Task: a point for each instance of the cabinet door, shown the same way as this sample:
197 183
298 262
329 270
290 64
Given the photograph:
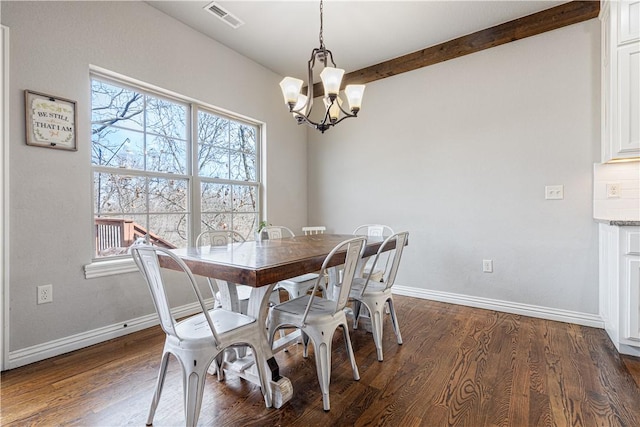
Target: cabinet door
631 283
633 307
627 138
629 21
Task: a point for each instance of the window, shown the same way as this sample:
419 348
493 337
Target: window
164 169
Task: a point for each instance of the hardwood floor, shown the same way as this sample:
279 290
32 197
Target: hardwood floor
458 366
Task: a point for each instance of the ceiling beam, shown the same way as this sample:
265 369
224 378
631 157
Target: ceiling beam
531 25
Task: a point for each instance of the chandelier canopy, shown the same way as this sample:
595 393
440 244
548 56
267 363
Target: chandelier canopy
300 105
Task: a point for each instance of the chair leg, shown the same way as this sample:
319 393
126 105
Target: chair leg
352 358
376 328
194 379
305 344
219 361
394 320
164 363
322 349
356 313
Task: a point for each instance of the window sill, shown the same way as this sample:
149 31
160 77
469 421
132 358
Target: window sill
109 267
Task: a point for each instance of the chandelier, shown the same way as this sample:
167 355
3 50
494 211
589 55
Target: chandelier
300 105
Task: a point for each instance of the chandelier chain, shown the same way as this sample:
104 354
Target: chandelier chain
321 38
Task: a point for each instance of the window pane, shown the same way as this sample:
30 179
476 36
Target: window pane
243 166
115 234
213 162
216 197
166 155
213 144
115 193
243 138
216 221
212 130
166 118
167 195
245 224
244 198
113 105
169 231
119 148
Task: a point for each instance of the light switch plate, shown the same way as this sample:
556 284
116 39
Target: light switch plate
554 192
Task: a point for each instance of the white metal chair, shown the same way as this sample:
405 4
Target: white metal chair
375 295
221 239
197 340
374 230
299 285
318 318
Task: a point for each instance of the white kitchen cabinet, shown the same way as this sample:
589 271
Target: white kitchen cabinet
620 285
620 80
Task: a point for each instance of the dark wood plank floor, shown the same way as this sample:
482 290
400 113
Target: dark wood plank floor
458 366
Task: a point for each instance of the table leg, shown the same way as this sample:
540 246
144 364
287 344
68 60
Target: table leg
280 389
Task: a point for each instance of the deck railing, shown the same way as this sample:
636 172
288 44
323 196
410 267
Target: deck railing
115 235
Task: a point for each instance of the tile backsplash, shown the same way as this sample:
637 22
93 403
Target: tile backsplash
627 205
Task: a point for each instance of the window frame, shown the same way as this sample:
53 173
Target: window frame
116 264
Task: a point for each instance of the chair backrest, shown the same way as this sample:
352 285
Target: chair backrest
353 248
378 230
146 258
400 240
218 237
278 232
317 229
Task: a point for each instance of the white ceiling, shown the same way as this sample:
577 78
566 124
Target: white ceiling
281 34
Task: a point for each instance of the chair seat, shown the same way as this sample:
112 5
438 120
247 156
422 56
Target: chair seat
196 327
320 307
372 288
376 274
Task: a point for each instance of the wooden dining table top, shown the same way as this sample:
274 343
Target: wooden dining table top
261 263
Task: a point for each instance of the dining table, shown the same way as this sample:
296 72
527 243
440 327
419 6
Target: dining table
261 265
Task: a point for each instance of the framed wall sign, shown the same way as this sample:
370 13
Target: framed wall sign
51 121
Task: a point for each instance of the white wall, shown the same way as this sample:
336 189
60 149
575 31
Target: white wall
459 154
52 46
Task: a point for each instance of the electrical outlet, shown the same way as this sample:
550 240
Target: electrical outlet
487 266
613 191
554 192
45 294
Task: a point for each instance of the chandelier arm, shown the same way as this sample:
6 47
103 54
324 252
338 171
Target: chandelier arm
347 113
342 118
300 118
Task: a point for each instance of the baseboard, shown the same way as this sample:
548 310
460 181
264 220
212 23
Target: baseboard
49 349
567 316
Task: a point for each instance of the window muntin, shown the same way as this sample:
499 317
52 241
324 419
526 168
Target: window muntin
143 179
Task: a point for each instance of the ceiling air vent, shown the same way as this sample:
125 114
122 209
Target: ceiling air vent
217 10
